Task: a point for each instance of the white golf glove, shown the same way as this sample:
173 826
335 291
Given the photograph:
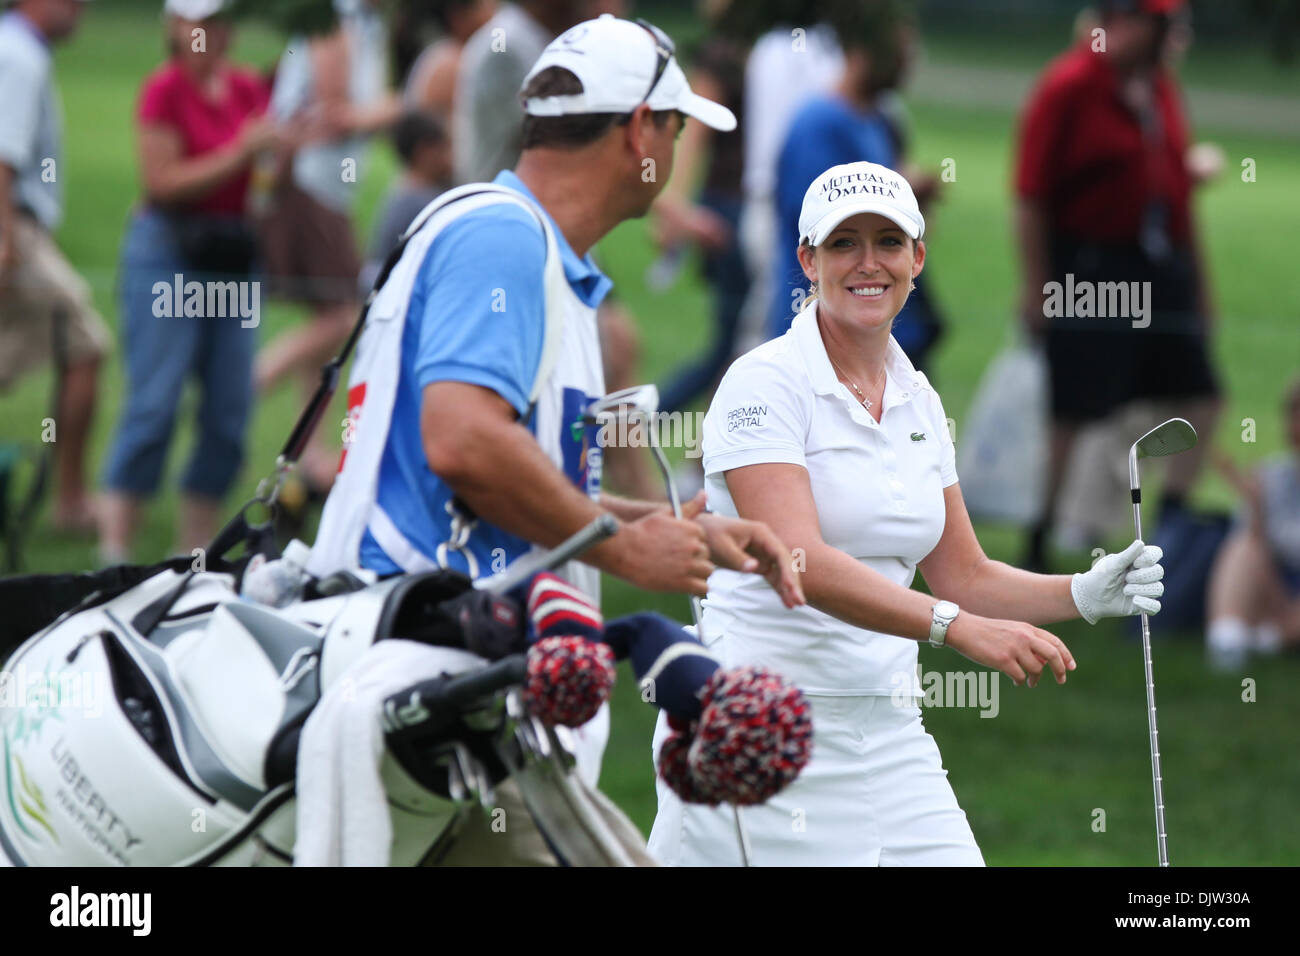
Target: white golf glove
1120 584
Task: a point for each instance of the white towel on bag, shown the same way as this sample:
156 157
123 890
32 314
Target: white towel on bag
343 815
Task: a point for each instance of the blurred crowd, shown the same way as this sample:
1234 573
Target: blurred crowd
247 178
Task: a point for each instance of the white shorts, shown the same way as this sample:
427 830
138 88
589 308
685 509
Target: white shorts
874 794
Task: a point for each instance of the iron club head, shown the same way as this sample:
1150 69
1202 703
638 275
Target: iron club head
640 399
626 403
1168 438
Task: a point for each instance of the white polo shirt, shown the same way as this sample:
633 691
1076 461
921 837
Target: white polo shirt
878 489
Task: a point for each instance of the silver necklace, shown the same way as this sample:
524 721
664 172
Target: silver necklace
854 385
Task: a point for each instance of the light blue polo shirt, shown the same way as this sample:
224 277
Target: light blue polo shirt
476 316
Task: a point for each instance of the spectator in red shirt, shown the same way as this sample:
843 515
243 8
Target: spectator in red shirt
189 305
1104 190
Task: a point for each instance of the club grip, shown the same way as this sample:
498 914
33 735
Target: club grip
433 705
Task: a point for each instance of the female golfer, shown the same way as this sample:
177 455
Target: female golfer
832 437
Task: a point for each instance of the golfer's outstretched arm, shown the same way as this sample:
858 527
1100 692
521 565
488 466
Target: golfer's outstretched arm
959 571
781 496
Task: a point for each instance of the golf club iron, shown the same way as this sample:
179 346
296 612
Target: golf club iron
1169 438
643 400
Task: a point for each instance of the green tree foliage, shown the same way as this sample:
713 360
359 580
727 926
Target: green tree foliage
289 16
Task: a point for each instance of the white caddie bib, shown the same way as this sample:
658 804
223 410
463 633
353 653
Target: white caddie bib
569 376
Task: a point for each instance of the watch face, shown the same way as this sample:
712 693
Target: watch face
946 609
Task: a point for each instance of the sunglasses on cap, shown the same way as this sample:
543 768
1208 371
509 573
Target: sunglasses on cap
664 51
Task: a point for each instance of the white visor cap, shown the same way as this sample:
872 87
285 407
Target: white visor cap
616 61
855 188
193 9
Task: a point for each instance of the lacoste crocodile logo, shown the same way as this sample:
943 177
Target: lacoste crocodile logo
918 436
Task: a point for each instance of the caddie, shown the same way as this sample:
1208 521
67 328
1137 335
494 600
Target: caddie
465 445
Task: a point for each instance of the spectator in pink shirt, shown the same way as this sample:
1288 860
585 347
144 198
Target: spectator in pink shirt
190 304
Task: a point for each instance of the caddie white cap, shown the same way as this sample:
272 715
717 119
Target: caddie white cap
855 188
619 63
193 9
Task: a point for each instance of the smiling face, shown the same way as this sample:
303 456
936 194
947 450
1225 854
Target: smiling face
863 270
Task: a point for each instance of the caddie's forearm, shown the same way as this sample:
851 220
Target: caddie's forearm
997 590
506 478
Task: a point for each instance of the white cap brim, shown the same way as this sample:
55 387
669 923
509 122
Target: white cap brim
828 223
705 110
674 93
708 112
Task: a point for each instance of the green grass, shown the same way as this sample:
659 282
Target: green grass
1031 779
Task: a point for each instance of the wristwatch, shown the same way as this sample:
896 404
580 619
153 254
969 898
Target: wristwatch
945 612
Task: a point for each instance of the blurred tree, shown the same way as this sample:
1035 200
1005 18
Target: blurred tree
289 16
1280 18
750 19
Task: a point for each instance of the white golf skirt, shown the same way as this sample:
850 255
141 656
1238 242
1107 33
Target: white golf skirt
875 793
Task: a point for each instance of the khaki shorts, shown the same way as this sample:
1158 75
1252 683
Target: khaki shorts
510 837
36 289
310 253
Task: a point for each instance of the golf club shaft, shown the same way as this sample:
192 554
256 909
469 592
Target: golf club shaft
588 536
676 502
742 837
1157 783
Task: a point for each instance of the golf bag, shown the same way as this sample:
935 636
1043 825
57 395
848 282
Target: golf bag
174 743
161 726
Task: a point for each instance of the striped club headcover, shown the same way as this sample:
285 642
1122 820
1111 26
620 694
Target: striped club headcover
556 607
570 668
